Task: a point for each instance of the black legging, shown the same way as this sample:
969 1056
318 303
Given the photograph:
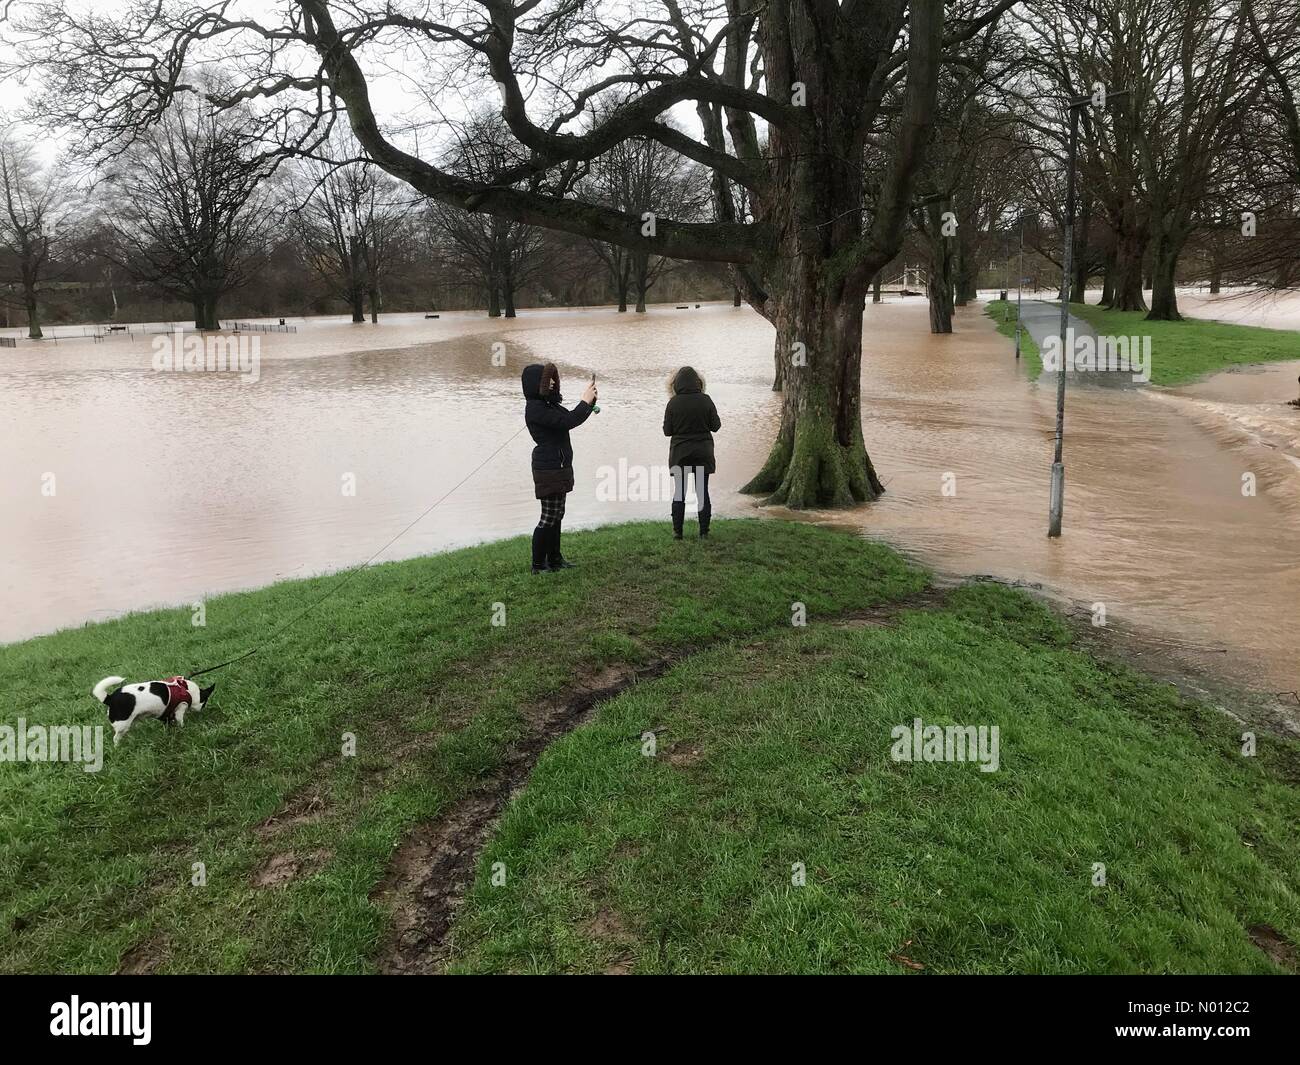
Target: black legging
701 476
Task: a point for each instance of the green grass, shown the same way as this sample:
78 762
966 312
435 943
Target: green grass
1029 352
1183 351
406 658
679 862
779 754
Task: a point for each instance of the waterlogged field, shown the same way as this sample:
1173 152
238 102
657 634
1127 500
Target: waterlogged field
350 432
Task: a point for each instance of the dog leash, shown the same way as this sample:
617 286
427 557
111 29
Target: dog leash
349 574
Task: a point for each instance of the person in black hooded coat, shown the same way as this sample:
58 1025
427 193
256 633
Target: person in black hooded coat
690 419
549 424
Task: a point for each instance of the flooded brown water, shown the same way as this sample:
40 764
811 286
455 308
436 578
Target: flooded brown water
168 487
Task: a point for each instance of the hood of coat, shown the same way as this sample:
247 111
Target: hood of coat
531 379
685 380
534 376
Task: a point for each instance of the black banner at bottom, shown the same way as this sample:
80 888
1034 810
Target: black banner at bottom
341 1014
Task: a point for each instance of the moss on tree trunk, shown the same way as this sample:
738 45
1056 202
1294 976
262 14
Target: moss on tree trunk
819 458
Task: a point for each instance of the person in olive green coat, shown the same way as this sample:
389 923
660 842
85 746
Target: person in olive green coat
690 419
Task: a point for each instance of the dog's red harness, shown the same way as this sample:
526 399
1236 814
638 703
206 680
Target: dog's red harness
178 691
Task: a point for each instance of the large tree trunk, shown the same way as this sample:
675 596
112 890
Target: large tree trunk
964 271
508 291
356 290
1164 297
875 287
1108 281
205 311
1216 260
494 297
33 313
939 290
1130 244
1079 257
939 293
819 457
641 273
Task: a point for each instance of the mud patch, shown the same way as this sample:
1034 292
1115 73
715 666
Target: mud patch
281 868
883 614
608 927
683 755
302 809
142 959
434 867
1280 950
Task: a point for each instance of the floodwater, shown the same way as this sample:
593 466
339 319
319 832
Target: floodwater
124 487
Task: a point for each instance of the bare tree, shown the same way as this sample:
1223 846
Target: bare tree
502 254
350 217
189 207
961 193
640 176
1152 156
36 217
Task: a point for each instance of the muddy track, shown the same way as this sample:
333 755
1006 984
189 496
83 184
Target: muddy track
434 867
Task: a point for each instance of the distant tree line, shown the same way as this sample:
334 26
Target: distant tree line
192 221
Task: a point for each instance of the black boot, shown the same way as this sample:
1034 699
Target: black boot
705 515
679 517
553 557
540 538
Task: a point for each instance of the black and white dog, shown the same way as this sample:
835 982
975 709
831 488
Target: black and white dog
167 699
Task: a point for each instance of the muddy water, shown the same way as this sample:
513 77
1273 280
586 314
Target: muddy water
171 486
1156 525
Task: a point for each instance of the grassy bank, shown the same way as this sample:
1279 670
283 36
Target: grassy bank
997 310
772 748
1183 351
96 866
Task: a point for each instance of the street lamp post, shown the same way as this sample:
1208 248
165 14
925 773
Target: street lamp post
1057 500
1020 280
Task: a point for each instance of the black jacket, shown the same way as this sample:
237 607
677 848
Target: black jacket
691 419
549 424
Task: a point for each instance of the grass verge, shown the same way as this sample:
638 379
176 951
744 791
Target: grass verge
997 310
1183 351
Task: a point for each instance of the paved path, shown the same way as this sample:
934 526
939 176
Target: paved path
1042 319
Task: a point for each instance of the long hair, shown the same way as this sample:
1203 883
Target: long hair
550 374
671 382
